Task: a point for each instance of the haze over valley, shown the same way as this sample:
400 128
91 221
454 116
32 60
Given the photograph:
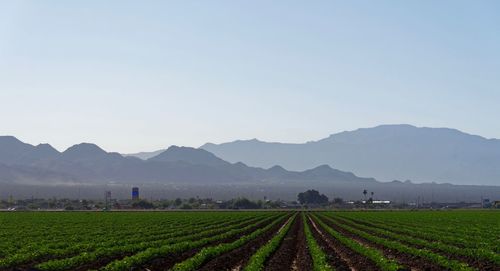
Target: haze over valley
399 162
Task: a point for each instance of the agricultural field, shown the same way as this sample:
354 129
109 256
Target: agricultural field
250 240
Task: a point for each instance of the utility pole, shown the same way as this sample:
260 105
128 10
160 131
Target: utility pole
107 197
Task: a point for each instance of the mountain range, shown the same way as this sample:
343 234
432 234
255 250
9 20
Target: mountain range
387 152
89 164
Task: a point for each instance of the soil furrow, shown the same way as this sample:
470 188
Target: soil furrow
292 254
473 262
237 258
410 261
168 262
30 266
340 257
157 263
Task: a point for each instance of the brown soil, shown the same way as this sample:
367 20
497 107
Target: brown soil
237 259
293 253
339 256
410 261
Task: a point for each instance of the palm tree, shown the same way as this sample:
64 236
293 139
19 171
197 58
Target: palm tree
364 193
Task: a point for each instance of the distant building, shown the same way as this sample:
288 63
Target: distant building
378 202
381 202
135 193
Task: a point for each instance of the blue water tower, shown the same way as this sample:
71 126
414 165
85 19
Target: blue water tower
135 193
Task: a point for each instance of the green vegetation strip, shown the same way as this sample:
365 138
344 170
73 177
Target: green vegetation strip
475 229
317 254
374 255
149 254
454 238
211 252
256 262
483 254
423 253
33 253
89 257
54 234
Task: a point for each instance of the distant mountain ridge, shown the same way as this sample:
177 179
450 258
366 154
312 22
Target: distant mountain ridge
44 171
88 163
192 155
386 152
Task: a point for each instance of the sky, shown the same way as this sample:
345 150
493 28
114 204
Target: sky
142 75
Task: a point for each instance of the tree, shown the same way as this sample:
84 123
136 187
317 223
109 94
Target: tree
364 193
312 197
338 201
142 204
244 203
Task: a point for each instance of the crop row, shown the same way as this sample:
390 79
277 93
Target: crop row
475 253
398 246
257 260
189 241
149 254
473 226
374 255
317 254
39 251
20 242
131 248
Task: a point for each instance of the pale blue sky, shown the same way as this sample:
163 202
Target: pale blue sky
141 75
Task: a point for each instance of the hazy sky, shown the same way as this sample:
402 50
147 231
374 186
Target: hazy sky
142 75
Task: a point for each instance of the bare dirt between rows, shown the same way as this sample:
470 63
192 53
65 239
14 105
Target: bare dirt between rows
293 253
168 262
339 256
238 258
410 261
473 262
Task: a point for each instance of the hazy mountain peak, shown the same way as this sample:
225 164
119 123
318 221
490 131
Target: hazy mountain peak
12 149
39 153
276 168
323 168
84 150
394 132
189 155
11 143
240 164
10 139
249 141
387 152
46 148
